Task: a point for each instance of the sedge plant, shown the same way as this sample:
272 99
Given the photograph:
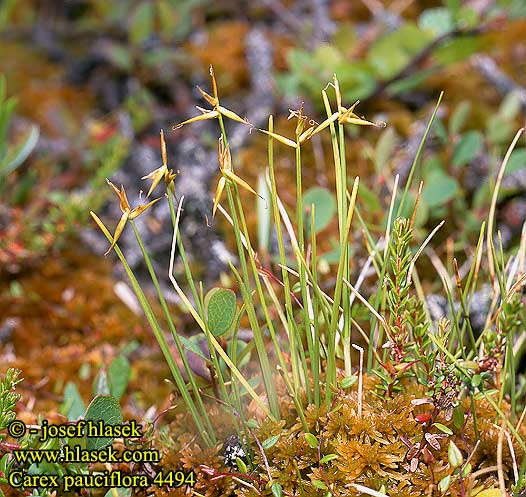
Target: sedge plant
442 380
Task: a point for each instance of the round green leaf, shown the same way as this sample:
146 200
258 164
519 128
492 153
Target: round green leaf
101 384
319 484
311 440
103 408
119 376
348 381
270 441
73 406
277 490
517 160
324 207
459 117
329 457
443 428
454 455
221 310
443 485
438 21
439 188
467 148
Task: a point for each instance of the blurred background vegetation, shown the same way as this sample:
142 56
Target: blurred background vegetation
87 84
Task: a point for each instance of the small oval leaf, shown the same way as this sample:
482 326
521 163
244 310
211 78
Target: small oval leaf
319 484
103 408
221 310
439 188
241 466
73 406
443 485
327 458
119 375
467 148
324 207
348 381
458 417
311 440
277 490
442 428
101 385
454 455
270 441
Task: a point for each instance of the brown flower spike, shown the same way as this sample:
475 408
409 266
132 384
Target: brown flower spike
127 212
162 172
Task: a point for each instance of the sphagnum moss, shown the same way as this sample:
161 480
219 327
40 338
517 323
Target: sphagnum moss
434 415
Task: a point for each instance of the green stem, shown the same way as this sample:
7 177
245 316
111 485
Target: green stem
173 330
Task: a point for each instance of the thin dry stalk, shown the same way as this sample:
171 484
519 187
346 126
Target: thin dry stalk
493 206
360 380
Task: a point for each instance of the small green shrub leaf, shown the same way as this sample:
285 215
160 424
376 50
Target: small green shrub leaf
270 441
193 347
454 455
103 408
241 465
458 417
517 160
324 207
476 380
221 310
443 428
277 490
327 458
443 484
101 385
73 406
439 188
311 440
319 484
438 20
119 375
467 148
459 116
348 381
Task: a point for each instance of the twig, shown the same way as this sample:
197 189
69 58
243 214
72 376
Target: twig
360 380
286 17
500 470
426 52
493 206
489 69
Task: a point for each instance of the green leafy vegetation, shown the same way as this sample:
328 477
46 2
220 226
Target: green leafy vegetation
356 325
416 414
